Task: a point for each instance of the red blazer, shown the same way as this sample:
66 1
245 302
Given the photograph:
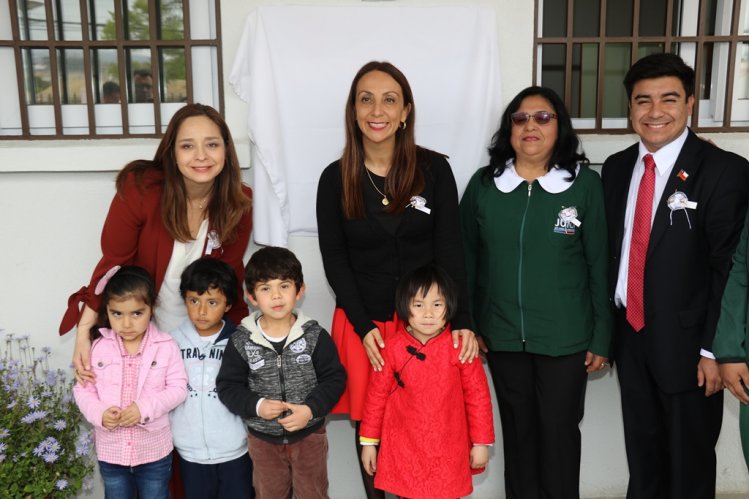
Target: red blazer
134 234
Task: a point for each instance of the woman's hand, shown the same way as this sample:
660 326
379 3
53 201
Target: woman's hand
470 348
372 344
82 352
595 362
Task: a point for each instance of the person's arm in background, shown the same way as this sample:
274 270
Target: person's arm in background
595 248
729 344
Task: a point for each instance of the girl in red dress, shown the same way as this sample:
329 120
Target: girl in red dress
427 422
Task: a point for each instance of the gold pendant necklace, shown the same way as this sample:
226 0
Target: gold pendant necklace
385 201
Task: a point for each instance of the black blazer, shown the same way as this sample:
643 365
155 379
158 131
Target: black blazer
364 262
686 268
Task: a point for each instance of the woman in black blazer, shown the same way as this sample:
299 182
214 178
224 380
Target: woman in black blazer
386 207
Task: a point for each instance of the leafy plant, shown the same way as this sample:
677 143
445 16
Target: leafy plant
45 451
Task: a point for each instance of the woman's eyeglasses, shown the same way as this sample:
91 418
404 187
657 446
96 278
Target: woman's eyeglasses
540 117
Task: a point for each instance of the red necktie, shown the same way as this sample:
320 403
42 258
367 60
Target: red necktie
638 248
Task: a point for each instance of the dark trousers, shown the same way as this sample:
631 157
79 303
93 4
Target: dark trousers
228 480
670 437
299 469
541 401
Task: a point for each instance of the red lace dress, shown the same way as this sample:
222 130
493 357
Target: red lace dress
427 409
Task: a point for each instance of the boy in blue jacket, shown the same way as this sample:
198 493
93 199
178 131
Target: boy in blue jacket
210 440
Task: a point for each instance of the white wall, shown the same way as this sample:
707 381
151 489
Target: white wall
50 225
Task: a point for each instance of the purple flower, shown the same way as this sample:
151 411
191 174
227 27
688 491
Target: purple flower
33 402
33 416
88 484
50 457
2 458
61 484
2 447
12 404
39 450
4 432
46 350
53 446
60 425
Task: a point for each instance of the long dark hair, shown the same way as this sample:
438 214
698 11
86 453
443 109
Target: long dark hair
566 153
404 179
228 202
130 281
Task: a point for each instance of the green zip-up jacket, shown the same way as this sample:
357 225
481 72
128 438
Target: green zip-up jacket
730 342
537 276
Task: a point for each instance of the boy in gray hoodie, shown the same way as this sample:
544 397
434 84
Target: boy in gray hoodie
210 440
282 375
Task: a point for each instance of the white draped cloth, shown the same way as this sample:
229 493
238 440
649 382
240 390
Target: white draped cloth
294 66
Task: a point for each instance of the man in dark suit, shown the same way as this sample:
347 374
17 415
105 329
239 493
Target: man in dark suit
675 205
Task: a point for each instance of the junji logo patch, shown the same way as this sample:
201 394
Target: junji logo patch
567 221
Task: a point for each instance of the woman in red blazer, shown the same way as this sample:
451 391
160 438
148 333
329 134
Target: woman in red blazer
187 202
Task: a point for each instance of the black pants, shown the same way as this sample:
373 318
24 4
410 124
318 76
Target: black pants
541 401
232 479
670 437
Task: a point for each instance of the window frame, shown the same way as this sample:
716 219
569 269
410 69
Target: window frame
121 45
734 39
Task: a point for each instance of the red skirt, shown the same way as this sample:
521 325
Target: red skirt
354 359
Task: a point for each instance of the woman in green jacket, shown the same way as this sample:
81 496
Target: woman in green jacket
731 336
534 232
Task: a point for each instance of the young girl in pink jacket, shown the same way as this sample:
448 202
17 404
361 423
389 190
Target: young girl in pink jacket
140 377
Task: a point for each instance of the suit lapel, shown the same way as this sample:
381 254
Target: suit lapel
619 193
689 161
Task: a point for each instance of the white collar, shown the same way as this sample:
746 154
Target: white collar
554 182
666 156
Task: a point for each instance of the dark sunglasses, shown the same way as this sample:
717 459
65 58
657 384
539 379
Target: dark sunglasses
540 117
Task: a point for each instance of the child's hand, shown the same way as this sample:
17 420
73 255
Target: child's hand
271 409
130 416
111 418
298 419
369 458
479 456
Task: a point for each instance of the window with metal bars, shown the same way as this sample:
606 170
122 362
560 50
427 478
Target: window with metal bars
585 47
105 68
